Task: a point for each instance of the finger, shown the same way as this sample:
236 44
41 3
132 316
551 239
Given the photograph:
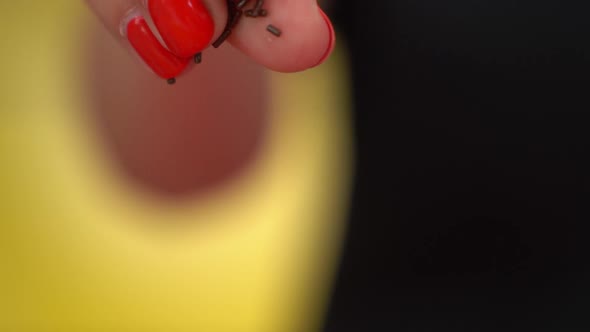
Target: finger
184 140
184 28
307 36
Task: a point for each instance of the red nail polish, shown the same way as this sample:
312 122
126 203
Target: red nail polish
332 42
145 43
185 25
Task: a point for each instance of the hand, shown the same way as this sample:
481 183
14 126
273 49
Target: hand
191 136
188 27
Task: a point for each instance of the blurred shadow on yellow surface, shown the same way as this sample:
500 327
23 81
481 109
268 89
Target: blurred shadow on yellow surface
261 257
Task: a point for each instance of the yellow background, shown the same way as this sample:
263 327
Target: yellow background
82 250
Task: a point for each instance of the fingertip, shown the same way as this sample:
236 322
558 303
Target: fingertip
306 37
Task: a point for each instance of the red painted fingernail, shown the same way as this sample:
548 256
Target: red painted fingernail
185 25
145 43
332 42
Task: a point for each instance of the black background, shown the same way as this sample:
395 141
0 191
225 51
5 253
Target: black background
472 184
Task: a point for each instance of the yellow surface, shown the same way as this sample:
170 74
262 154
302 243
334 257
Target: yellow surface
81 250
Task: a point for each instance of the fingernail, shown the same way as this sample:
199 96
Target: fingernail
332 42
158 58
185 25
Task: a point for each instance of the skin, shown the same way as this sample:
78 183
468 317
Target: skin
188 138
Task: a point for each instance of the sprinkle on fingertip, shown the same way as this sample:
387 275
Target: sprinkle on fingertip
172 81
274 30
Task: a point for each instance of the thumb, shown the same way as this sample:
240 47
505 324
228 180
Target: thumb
307 36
